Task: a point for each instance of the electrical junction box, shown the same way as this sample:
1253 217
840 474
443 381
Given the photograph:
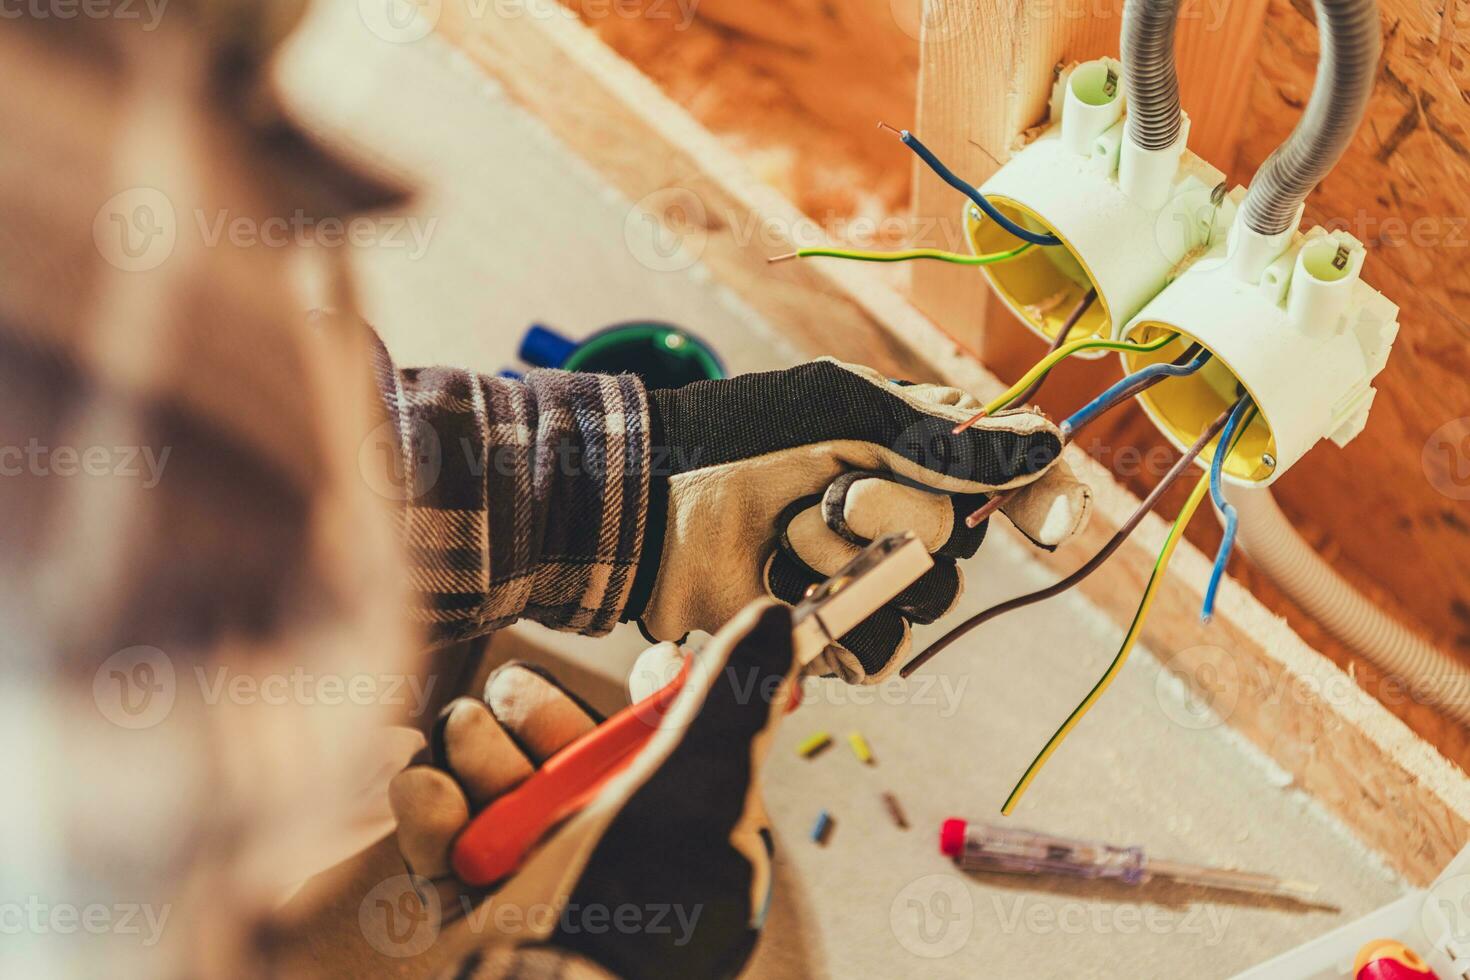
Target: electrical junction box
1287 318
1306 342
1067 182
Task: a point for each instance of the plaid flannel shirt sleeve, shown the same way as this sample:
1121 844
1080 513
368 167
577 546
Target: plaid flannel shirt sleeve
521 498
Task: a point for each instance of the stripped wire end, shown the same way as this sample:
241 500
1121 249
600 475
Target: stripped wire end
988 508
1091 565
783 258
969 421
969 190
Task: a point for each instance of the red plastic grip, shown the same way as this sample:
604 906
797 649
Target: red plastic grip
495 843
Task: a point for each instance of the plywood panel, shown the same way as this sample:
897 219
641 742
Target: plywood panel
1394 507
795 88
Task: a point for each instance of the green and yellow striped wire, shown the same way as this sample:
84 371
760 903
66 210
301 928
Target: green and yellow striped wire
1044 366
1161 565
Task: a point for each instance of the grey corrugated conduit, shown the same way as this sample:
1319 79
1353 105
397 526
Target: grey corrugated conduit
1150 79
1350 41
1270 540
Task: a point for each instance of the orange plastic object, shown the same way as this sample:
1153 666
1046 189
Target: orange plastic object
496 842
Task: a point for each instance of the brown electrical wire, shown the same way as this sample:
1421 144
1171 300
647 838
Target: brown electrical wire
1092 565
1063 332
1068 325
996 502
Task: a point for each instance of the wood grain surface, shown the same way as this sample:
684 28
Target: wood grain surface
794 88
1340 746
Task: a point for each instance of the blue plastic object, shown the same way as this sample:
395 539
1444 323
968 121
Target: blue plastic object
545 348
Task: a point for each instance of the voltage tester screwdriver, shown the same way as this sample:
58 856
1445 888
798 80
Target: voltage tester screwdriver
985 847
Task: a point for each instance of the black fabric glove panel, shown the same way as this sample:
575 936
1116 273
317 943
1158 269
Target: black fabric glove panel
710 423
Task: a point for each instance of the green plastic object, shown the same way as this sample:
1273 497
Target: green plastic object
663 355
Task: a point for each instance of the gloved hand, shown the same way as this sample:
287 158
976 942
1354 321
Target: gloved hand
678 835
766 484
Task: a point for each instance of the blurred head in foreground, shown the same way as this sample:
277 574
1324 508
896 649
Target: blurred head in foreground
195 571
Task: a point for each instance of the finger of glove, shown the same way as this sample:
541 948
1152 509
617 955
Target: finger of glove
473 760
868 649
480 750
810 553
869 652
655 668
472 746
999 453
914 434
863 506
539 714
1051 510
431 810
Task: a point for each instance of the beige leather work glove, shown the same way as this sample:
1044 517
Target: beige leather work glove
666 872
770 483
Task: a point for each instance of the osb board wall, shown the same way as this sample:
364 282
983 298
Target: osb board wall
797 86
1395 505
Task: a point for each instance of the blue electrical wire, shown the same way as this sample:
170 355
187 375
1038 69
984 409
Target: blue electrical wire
1128 387
965 188
1232 517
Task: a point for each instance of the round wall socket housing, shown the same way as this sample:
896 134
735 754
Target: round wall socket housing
1065 182
1305 343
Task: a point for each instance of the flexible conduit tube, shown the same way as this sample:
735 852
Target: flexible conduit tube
1351 40
1269 538
1150 79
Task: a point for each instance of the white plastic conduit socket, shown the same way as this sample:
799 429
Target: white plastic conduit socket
1066 182
1305 337
1146 175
